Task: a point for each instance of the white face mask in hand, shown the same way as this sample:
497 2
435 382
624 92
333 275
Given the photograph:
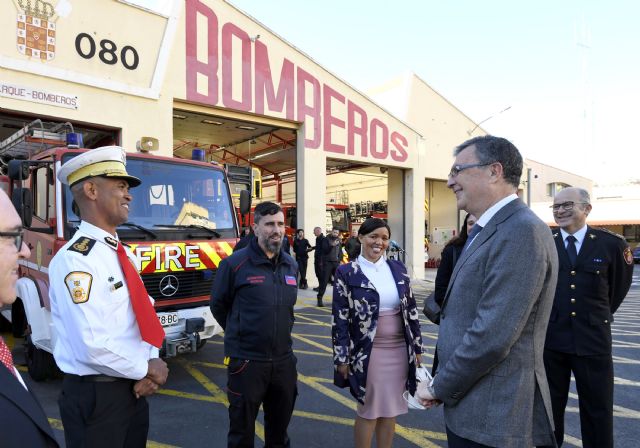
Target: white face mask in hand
424 379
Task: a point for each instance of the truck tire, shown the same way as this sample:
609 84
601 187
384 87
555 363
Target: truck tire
40 363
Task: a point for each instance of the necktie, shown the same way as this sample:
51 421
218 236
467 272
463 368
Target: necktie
5 357
148 323
571 249
474 231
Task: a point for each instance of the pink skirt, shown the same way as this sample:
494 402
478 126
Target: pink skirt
388 370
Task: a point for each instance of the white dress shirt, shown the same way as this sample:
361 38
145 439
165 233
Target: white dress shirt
379 274
491 211
98 335
579 236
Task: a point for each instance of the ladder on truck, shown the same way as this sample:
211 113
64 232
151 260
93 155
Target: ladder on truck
33 138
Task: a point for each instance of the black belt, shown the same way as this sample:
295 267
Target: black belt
93 378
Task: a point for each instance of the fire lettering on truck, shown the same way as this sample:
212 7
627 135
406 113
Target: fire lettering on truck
227 47
177 257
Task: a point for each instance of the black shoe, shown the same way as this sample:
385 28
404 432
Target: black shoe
316 289
303 286
320 304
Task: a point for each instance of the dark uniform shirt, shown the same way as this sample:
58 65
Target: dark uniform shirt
589 293
252 299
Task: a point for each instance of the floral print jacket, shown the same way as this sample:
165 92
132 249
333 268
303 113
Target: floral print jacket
355 319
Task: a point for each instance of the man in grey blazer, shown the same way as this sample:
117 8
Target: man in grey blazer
494 317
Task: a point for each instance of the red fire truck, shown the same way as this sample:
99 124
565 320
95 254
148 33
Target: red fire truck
181 225
337 217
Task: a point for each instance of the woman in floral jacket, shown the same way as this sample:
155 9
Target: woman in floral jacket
376 335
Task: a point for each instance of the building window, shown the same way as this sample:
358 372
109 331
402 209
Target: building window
555 187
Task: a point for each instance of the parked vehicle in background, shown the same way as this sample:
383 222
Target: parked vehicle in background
181 225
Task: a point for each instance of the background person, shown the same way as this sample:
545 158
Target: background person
495 314
352 246
448 259
301 248
23 423
317 255
259 284
331 256
376 335
596 269
108 333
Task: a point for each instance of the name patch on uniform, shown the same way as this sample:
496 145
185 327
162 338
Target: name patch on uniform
82 245
290 280
79 286
256 279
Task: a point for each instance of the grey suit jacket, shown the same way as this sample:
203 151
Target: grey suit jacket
491 376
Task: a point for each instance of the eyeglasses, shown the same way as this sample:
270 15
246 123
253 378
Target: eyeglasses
566 205
456 169
17 238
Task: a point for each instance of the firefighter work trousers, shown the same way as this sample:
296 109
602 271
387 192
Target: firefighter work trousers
252 383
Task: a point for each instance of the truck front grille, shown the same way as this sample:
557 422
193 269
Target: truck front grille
179 285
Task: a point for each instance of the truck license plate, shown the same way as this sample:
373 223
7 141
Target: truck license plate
168 319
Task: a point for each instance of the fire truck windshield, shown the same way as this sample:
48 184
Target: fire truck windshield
174 195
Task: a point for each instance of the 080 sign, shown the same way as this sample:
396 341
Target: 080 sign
87 47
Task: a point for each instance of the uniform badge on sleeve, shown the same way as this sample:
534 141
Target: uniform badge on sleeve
628 256
290 280
82 245
79 286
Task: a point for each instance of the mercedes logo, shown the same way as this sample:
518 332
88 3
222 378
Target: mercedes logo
168 285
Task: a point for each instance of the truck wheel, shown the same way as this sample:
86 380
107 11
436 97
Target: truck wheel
18 319
40 363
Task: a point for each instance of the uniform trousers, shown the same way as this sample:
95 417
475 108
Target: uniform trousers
302 269
594 384
252 383
328 269
317 265
98 414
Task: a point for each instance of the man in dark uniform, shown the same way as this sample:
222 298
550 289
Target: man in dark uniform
253 296
301 248
352 246
317 255
595 274
331 254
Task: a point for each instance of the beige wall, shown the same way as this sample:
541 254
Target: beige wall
542 175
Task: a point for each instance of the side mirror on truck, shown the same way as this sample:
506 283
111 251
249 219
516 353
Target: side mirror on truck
18 170
245 202
23 203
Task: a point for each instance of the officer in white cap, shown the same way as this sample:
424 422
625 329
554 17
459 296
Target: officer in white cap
109 366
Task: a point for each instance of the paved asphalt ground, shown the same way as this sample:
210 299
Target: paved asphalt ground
191 410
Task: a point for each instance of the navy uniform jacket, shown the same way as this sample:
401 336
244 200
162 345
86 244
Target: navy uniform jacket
588 294
252 299
23 423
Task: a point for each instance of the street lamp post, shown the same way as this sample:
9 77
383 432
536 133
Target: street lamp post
487 119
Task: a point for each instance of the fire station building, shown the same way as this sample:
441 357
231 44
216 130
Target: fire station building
201 74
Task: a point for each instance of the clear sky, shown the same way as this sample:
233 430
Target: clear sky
569 69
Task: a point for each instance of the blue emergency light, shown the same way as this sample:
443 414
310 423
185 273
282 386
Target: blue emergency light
74 140
197 154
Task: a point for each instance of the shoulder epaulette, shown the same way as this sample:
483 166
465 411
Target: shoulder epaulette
617 235
82 245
